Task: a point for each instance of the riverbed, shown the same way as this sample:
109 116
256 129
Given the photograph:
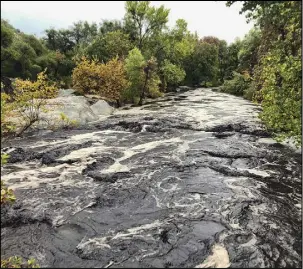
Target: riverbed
189 179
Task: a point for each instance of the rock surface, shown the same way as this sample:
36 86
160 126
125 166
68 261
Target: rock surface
101 107
75 108
183 181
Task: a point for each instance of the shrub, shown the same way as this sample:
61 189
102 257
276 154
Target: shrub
86 76
7 195
67 122
250 92
30 99
108 80
172 74
7 126
237 85
17 262
113 80
153 81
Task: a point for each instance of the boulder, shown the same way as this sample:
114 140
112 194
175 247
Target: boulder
66 92
101 108
74 107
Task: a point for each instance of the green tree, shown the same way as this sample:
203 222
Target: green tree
232 61
105 47
278 73
83 32
248 54
107 26
145 20
134 65
202 65
116 43
172 74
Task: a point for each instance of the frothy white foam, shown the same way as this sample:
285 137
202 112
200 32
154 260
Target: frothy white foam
218 259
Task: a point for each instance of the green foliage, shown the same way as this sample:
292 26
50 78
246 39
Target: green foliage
134 65
151 88
274 54
237 85
202 66
145 20
108 46
108 80
7 127
116 44
67 122
282 94
30 99
7 195
173 75
142 77
4 158
248 53
17 262
107 26
232 62
7 36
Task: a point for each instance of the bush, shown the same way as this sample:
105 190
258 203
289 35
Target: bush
237 85
250 92
113 80
108 80
7 195
86 76
7 127
17 262
30 99
173 75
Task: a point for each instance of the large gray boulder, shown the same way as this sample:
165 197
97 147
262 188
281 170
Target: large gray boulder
101 108
66 92
74 107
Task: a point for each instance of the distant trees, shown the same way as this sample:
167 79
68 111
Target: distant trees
175 52
265 65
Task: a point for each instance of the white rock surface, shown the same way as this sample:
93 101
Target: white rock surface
102 108
66 92
74 107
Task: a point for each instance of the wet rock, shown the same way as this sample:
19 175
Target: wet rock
109 177
20 155
161 185
48 158
223 135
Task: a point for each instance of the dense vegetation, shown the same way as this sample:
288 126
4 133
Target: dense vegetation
270 65
140 56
